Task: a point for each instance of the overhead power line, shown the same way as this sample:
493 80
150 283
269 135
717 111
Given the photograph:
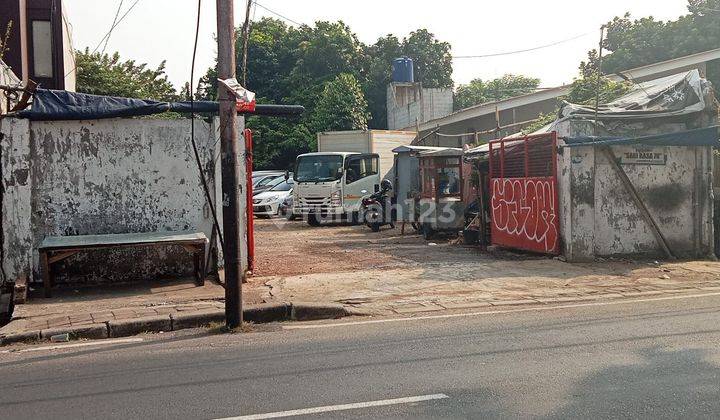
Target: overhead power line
116 22
117 13
278 14
540 47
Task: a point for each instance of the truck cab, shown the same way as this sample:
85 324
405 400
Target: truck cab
329 186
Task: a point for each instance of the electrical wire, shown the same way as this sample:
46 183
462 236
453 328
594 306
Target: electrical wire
540 47
108 33
198 161
112 28
117 13
278 14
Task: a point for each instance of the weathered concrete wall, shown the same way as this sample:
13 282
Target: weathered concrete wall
600 217
407 103
114 176
16 210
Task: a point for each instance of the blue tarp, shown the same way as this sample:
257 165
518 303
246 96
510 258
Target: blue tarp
700 137
58 105
63 105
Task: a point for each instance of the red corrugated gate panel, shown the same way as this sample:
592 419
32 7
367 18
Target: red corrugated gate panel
524 196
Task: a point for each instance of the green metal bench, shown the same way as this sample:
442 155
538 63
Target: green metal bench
57 248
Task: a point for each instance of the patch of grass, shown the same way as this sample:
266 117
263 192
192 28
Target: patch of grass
221 328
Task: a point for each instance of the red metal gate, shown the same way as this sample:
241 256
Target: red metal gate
524 197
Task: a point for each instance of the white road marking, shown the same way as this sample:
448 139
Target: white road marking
504 311
75 345
341 407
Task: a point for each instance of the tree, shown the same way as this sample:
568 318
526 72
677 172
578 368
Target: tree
634 43
431 58
277 142
342 106
298 65
583 92
103 74
478 91
379 70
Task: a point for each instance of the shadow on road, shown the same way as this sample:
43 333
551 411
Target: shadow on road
666 384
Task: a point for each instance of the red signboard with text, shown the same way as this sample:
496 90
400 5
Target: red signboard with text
524 196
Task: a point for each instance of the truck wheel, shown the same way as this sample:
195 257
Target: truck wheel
375 227
313 220
427 231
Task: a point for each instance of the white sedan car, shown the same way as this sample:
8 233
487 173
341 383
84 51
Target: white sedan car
267 203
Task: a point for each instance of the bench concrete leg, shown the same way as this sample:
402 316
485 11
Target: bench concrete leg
46 274
198 257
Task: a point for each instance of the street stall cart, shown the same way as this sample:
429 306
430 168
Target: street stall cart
440 207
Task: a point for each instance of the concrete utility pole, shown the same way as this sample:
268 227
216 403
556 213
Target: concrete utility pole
229 166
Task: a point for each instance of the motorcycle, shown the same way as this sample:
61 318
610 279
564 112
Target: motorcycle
375 208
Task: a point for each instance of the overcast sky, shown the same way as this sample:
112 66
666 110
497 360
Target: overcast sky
157 30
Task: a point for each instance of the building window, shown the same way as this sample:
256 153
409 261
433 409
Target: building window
42 48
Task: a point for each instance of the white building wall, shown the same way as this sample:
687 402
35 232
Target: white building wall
410 103
437 103
600 218
68 57
104 177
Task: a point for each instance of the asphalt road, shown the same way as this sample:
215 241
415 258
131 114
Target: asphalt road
651 359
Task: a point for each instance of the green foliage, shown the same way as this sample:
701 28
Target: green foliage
478 91
276 142
585 89
431 58
634 43
342 106
103 74
379 70
583 92
321 67
542 121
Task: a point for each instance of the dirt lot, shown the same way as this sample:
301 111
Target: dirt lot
294 248
392 273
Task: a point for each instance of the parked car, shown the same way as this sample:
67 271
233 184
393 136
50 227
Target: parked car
270 184
264 177
267 203
286 208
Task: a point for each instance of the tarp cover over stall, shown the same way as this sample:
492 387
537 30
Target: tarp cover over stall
57 105
676 95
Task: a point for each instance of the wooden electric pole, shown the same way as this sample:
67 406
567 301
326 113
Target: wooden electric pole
229 165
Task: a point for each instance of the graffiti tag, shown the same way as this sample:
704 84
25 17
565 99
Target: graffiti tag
524 213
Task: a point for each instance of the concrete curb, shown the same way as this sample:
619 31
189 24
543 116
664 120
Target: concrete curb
91 332
264 313
129 327
313 311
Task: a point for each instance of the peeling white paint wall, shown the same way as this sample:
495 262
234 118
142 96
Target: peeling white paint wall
103 177
600 218
15 140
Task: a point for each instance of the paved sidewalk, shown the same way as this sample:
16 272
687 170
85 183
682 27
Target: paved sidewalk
496 283
96 306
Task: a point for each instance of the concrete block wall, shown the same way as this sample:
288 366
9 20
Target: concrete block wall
102 177
599 217
423 105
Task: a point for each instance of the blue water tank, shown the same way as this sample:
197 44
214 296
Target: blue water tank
402 70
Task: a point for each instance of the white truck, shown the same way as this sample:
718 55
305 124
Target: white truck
349 165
